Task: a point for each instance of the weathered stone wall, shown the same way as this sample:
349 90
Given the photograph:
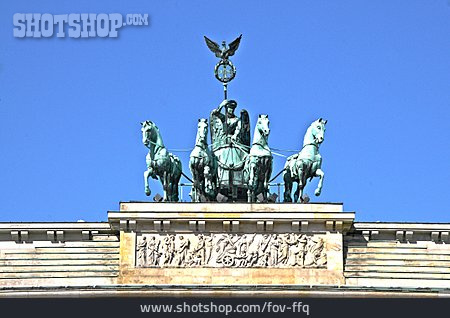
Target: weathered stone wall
410 255
242 243
225 249
58 254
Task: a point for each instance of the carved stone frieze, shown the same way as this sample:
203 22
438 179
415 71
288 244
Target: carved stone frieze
230 250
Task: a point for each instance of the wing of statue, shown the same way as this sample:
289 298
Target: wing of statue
232 47
217 131
245 128
214 47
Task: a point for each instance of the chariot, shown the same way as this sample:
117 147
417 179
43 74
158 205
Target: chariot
232 168
230 145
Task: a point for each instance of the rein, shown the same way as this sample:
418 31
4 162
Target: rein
257 143
265 147
202 144
315 145
262 137
156 146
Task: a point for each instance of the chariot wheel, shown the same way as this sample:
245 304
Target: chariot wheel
228 260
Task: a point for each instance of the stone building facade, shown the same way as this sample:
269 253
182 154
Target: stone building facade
227 249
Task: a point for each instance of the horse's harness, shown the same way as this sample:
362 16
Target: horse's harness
262 146
156 147
310 144
203 147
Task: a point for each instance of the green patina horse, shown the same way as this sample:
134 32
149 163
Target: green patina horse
203 166
160 163
258 165
306 164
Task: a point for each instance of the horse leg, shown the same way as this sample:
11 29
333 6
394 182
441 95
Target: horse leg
287 186
298 193
268 173
302 177
168 187
319 173
249 187
248 167
147 188
176 194
175 180
201 180
171 189
261 180
192 194
173 186
176 197
196 179
164 185
253 181
173 183
259 186
264 181
148 173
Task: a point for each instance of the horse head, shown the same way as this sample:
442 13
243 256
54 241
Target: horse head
147 131
202 131
263 125
318 130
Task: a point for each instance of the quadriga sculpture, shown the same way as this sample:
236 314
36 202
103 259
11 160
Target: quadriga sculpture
306 164
258 166
202 166
160 163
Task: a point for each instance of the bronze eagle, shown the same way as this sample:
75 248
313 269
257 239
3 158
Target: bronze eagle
226 51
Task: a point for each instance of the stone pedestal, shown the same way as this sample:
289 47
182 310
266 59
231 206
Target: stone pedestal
231 244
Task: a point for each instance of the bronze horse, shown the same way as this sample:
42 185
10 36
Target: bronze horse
258 165
306 164
202 166
160 163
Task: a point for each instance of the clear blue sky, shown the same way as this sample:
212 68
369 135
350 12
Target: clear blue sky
379 71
